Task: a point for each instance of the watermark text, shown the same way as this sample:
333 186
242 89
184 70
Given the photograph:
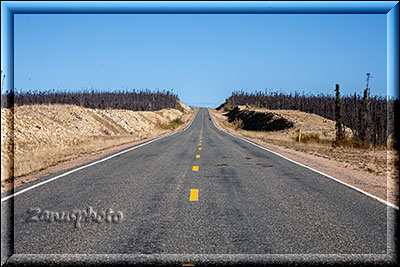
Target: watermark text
76 216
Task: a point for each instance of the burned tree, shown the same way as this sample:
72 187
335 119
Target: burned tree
143 100
366 116
338 115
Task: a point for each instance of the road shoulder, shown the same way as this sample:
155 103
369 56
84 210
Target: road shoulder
382 187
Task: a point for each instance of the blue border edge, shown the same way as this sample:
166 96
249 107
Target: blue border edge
391 8
393 51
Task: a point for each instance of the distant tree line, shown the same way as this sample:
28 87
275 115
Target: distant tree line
136 100
366 116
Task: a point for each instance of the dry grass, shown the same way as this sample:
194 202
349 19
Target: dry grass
172 125
44 156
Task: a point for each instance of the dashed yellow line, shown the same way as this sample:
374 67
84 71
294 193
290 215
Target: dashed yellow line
194 195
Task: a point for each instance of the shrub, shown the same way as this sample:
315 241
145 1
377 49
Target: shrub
172 125
238 123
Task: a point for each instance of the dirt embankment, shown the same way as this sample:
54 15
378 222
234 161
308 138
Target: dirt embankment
45 135
372 170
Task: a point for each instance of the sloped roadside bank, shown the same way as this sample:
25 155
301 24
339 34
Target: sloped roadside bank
258 121
343 164
51 138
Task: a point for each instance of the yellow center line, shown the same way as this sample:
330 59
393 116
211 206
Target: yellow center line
194 195
187 264
197 156
195 168
199 148
200 144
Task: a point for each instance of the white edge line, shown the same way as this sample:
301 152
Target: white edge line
324 174
94 163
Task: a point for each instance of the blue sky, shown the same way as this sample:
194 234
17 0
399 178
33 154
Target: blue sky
202 57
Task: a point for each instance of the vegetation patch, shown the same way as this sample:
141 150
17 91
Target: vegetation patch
172 125
258 121
312 138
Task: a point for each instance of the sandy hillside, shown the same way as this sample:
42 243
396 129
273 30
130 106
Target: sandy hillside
47 134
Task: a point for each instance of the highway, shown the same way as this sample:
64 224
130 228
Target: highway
199 191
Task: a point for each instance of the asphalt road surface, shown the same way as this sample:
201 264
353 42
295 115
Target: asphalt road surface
199 191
